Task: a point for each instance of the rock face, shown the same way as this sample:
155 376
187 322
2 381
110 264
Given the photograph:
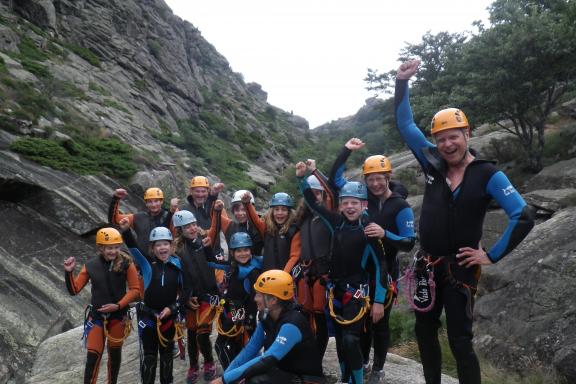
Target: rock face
525 310
47 216
55 364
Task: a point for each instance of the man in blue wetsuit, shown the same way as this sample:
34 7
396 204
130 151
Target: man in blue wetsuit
459 187
290 351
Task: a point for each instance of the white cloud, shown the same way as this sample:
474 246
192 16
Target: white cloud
312 56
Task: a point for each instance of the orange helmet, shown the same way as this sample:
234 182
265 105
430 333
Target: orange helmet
448 118
108 236
199 181
376 164
277 283
153 193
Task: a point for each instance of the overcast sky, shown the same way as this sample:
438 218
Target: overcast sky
311 56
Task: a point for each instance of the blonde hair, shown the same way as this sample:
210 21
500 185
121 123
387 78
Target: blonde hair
122 262
272 228
179 239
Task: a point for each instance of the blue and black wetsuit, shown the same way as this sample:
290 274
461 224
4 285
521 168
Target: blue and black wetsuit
163 288
239 308
451 220
290 353
355 262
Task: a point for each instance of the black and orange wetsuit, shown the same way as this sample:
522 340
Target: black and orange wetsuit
109 280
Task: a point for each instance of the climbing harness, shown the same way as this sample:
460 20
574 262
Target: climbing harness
421 288
360 294
90 321
237 316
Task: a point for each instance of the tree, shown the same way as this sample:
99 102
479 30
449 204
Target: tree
437 54
518 69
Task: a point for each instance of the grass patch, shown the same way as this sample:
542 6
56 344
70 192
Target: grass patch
29 50
84 53
140 84
83 155
114 104
94 87
3 68
36 68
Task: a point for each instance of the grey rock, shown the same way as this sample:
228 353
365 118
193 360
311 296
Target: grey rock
9 40
557 176
61 359
549 200
525 309
40 12
16 70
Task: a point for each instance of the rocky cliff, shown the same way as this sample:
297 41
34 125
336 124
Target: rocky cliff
94 89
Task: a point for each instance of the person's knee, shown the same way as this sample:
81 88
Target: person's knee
350 342
461 346
426 329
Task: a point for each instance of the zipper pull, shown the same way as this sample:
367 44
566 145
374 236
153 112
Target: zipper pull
163 269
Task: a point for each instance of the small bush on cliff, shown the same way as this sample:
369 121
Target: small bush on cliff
84 156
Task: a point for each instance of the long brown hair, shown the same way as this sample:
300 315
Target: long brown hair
179 239
272 228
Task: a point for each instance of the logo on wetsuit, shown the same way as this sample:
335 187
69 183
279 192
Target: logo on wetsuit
429 179
281 339
508 190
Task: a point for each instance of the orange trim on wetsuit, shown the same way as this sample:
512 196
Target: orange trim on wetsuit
225 222
255 219
295 248
117 216
133 282
201 319
79 282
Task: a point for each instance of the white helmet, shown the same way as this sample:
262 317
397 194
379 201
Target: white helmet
237 196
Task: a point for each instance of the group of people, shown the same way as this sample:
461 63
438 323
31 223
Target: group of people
300 274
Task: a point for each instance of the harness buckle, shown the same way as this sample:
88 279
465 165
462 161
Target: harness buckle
141 324
214 300
296 271
358 294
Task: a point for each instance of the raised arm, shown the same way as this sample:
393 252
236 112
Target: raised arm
411 134
295 248
114 215
253 215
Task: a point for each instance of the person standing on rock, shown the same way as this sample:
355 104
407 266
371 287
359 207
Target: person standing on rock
392 221
356 261
277 228
459 187
311 272
106 323
143 222
164 295
290 351
200 279
236 319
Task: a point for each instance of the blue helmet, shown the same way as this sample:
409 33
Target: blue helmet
240 240
354 189
182 218
160 233
314 183
282 199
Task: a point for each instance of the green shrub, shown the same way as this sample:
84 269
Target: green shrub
155 48
140 84
29 50
98 89
84 155
36 68
84 53
66 89
8 124
114 104
3 68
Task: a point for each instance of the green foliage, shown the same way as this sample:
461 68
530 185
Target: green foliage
98 89
8 124
84 53
155 48
3 68
35 68
140 84
30 51
33 103
560 145
65 89
111 103
83 156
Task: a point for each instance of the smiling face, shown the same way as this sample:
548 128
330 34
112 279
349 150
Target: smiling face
190 231
199 195
280 214
110 252
351 207
242 255
162 250
154 206
378 183
239 213
452 145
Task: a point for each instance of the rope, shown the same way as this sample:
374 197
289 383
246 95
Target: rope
112 339
339 318
163 340
234 331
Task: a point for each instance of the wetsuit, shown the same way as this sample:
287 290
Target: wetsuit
451 220
200 279
163 282
140 222
280 251
396 217
221 222
356 261
203 214
310 274
108 286
290 353
237 317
